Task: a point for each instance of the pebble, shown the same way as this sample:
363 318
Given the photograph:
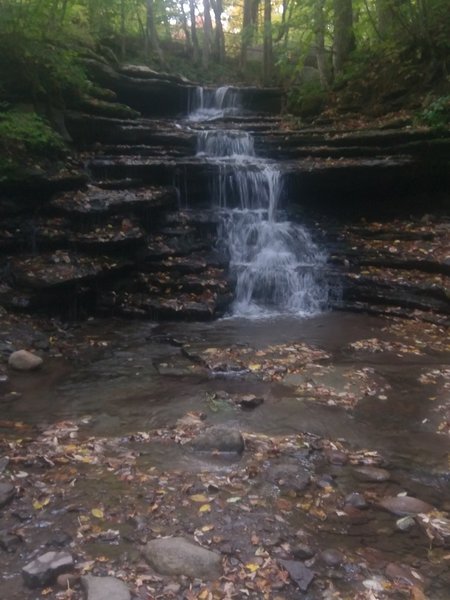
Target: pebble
105 588
356 500
332 557
336 457
303 551
67 580
405 523
373 474
221 439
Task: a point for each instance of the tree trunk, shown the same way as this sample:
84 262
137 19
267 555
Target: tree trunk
194 36
268 49
249 21
384 18
152 34
219 38
319 34
344 39
185 26
207 33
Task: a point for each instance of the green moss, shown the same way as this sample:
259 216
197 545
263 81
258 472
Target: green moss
26 139
437 113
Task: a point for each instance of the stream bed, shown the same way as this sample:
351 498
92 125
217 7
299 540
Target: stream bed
339 412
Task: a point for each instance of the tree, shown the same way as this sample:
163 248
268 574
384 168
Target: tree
268 45
344 38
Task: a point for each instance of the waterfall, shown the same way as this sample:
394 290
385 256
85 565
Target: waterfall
276 266
206 104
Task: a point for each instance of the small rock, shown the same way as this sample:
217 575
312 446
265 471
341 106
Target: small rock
302 551
179 556
336 457
356 500
7 492
373 474
105 588
22 360
219 438
289 477
299 573
9 541
67 580
403 506
43 570
404 573
332 557
249 401
405 523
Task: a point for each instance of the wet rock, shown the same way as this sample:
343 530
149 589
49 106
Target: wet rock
7 492
179 556
219 438
67 580
289 477
405 523
337 457
404 574
332 557
105 588
249 401
303 551
22 360
405 505
356 500
9 541
373 474
299 573
45 568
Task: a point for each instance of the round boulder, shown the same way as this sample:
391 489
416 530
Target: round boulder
22 360
219 438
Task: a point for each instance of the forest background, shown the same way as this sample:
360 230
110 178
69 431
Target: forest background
344 56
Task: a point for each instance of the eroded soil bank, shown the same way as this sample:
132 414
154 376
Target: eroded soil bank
342 415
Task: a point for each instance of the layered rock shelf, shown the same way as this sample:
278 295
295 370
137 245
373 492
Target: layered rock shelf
113 238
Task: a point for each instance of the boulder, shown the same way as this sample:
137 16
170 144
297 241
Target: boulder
22 360
45 568
105 588
179 556
219 438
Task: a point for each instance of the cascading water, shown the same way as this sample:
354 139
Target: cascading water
208 104
276 265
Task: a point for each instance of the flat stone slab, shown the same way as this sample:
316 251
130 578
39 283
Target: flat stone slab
403 506
22 360
7 492
179 556
45 568
219 439
105 588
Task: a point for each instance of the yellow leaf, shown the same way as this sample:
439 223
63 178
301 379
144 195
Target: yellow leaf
98 513
207 528
254 367
205 508
199 498
252 567
204 595
38 505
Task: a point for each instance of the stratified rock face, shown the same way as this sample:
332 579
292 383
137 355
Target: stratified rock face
405 505
7 492
178 556
105 588
43 570
22 360
219 439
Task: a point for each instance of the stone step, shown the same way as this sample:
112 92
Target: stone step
96 201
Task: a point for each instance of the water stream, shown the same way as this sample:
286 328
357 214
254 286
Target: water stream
276 266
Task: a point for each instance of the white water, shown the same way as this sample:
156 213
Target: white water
207 104
276 265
